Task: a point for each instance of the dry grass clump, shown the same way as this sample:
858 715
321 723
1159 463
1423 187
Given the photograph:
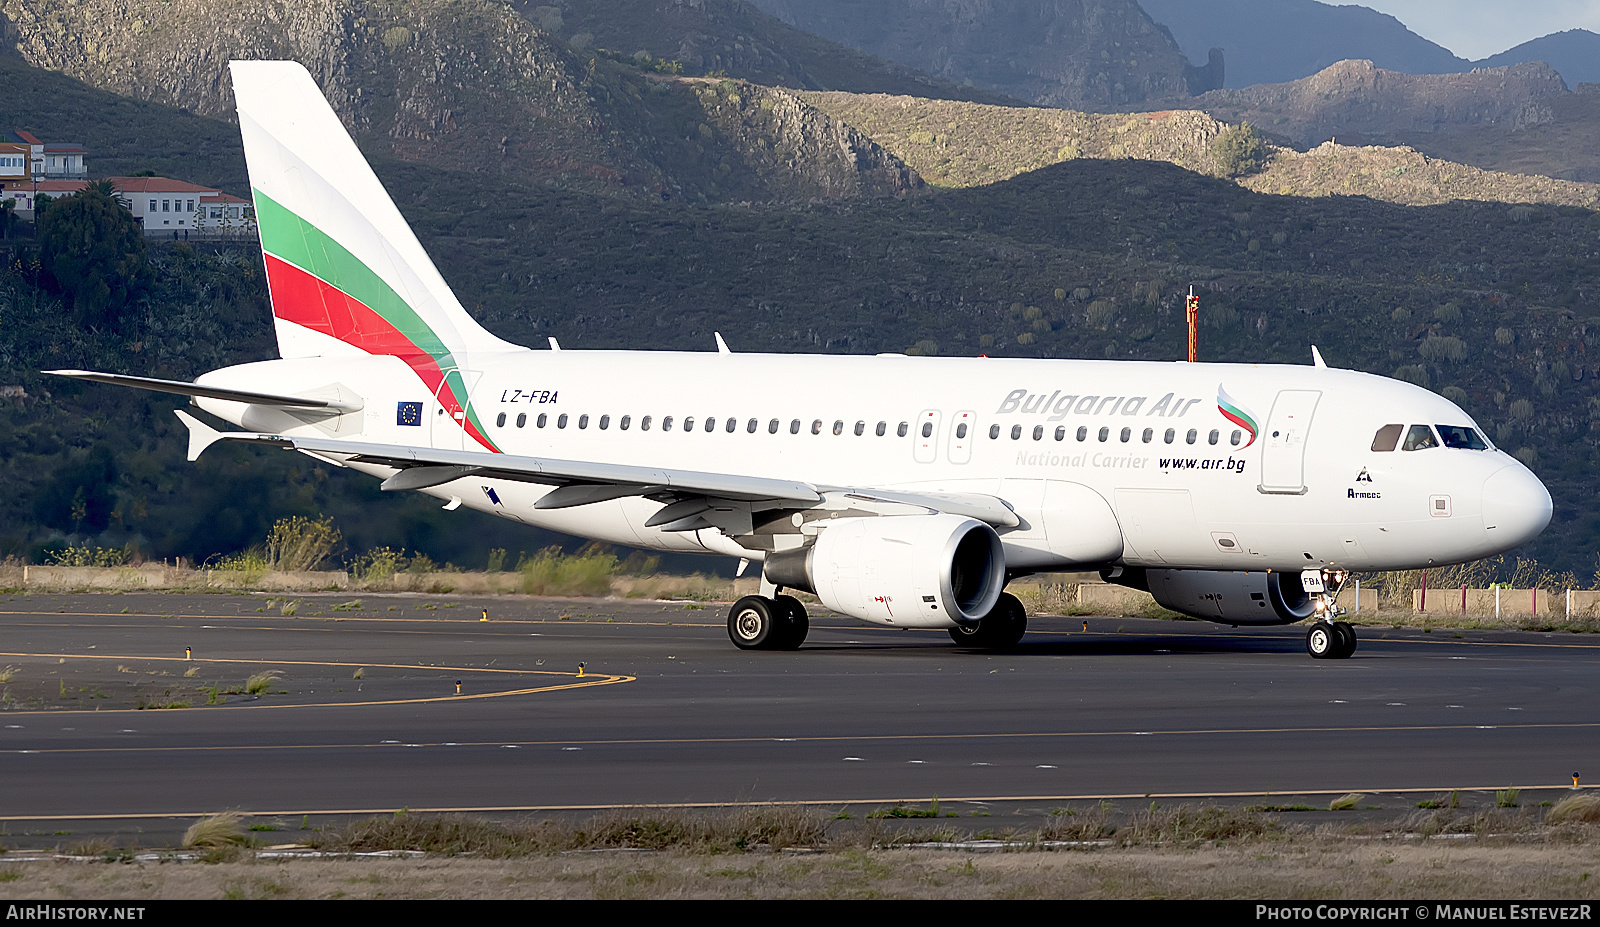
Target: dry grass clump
1074 824
261 682
1583 808
736 830
216 832
1488 822
1191 823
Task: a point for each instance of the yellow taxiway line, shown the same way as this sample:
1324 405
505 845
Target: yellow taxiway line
586 681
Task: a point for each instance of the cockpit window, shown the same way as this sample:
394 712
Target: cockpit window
1387 437
1460 436
1419 437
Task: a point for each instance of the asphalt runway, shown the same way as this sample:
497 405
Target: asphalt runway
669 712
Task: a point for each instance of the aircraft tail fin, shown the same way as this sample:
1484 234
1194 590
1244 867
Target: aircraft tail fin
345 272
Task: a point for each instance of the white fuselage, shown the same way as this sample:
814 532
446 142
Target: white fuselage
1187 485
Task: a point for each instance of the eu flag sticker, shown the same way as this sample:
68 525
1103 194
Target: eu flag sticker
408 413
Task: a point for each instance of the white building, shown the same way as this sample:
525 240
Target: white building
177 209
164 208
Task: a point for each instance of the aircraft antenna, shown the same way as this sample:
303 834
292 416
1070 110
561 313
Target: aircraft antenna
1193 306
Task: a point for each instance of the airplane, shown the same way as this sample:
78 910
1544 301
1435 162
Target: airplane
902 491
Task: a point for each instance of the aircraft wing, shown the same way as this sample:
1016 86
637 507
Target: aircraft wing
580 482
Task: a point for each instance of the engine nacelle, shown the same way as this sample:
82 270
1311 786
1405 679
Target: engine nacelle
907 571
1232 597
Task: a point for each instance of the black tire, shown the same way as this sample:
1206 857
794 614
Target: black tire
1322 641
798 624
756 623
1009 633
970 635
1002 627
1347 640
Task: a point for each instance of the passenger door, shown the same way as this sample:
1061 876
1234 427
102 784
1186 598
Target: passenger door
1283 456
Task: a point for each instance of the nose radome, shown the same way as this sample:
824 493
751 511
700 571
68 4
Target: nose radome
1516 507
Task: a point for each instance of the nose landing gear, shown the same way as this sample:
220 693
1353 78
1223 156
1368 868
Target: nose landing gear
1327 638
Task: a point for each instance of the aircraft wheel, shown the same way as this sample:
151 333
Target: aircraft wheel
1002 627
797 625
1322 641
969 635
1347 640
756 623
1009 634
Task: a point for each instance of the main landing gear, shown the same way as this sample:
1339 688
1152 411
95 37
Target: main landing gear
1326 638
758 623
1002 627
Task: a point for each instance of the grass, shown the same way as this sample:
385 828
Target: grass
776 826
550 572
216 832
1346 802
1582 808
1507 798
261 682
901 811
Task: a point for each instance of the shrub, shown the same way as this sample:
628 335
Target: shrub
87 556
378 564
1101 313
1239 151
550 572
1441 348
301 543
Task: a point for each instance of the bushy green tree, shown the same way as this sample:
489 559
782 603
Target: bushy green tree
95 254
1239 151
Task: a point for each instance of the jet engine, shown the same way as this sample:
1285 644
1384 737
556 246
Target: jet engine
1233 597
908 571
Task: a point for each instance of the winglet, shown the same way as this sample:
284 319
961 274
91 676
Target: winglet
722 346
201 435
1316 357
554 344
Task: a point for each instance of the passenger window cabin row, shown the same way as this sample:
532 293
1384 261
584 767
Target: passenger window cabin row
751 426
710 424
1125 435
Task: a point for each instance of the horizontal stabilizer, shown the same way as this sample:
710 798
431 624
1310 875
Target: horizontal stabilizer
182 388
